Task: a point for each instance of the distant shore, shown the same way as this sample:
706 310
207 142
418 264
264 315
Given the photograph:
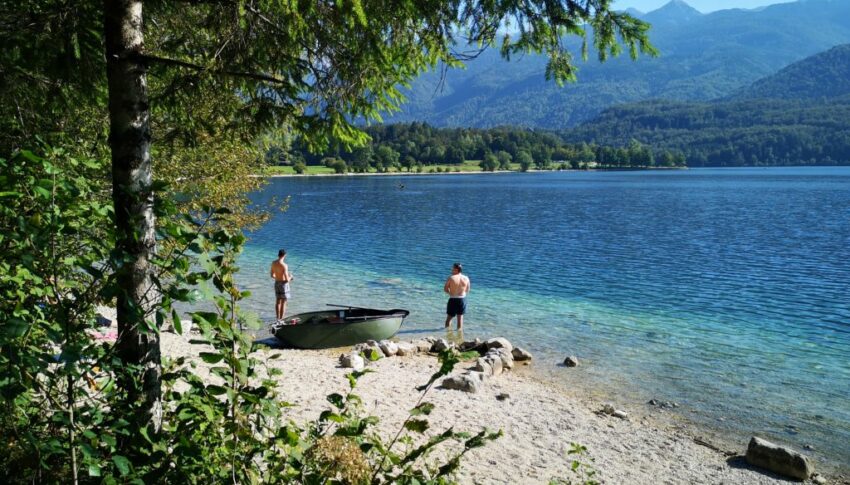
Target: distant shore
468 172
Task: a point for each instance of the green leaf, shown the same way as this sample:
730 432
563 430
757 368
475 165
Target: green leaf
122 463
94 470
337 400
424 408
211 357
417 425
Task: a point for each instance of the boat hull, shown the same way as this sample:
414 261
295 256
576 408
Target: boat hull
329 329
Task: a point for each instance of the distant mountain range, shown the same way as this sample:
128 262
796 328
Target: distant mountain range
800 115
703 57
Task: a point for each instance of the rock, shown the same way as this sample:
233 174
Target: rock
778 459
405 349
503 396
495 363
441 345
430 340
571 361
389 348
470 345
352 361
103 321
482 365
520 354
463 382
423 345
620 414
608 409
503 354
653 402
818 478
499 343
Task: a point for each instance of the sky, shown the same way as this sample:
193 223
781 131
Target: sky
704 6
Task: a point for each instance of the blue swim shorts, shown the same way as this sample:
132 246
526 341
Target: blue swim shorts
281 290
456 306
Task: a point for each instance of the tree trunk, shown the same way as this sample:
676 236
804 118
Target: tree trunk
132 195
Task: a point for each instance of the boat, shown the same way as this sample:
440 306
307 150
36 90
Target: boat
339 327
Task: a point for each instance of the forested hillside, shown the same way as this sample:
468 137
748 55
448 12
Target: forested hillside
800 115
703 57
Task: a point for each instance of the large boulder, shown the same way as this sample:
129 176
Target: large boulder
388 348
499 342
352 361
483 366
470 382
778 459
520 354
495 363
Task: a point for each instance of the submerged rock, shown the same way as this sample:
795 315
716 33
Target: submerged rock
778 459
520 354
571 361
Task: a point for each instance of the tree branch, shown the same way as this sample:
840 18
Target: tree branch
257 76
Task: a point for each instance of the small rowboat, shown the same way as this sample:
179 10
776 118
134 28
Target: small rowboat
338 328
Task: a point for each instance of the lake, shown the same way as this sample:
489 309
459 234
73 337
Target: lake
724 290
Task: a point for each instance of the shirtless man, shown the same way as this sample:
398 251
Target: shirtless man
457 286
282 277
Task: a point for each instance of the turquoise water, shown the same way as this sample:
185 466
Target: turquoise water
725 290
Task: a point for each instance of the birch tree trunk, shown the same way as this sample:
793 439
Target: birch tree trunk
132 195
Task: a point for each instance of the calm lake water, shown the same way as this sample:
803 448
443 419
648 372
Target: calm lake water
725 290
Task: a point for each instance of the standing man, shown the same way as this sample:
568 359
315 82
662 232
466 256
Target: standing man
282 277
457 286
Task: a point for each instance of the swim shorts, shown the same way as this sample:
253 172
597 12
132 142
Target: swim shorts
281 290
456 306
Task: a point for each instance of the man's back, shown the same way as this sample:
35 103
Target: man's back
458 285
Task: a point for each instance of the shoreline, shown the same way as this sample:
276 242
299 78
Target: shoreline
480 172
540 419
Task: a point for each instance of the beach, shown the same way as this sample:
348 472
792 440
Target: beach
539 418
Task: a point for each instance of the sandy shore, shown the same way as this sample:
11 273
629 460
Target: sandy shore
539 420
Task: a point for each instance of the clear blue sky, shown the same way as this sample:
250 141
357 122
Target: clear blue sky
701 5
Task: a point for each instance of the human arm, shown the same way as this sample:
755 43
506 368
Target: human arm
446 286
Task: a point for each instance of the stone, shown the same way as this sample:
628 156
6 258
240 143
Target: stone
482 365
103 321
423 345
620 414
463 382
405 349
505 356
520 354
608 409
389 348
503 396
571 361
499 342
653 402
818 478
441 345
470 345
495 363
778 459
352 361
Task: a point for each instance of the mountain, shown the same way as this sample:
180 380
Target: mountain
677 13
824 75
800 115
703 57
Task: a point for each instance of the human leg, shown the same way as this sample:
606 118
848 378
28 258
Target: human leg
460 322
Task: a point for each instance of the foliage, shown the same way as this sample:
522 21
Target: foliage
581 465
496 148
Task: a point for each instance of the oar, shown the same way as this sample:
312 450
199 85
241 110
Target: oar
349 307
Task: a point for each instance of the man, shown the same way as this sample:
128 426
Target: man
282 277
457 286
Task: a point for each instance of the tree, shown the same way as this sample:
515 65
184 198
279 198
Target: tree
505 160
299 167
525 161
311 66
490 163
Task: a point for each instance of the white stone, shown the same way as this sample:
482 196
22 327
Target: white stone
499 342
352 361
389 348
